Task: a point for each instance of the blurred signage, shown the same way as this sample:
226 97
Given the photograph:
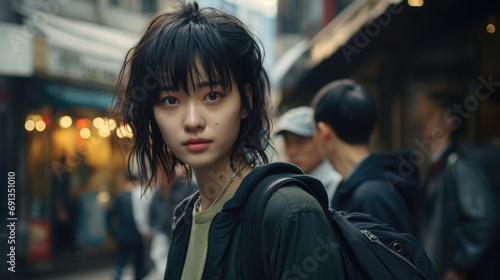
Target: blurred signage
38 240
16 50
77 65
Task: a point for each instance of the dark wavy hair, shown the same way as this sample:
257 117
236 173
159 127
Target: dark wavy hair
348 109
174 45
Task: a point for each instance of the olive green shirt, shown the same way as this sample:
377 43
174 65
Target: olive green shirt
198 240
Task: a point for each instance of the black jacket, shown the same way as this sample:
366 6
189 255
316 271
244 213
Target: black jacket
384 185
297 240
460 218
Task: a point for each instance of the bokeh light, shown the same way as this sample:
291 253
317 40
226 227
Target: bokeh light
85 133
40 126
29 125
65 122
416 3
490 28
112 124
103 197
98 122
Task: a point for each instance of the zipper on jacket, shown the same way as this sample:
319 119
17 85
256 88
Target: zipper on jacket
373 238
208 247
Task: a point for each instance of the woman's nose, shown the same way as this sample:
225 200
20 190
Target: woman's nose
194 120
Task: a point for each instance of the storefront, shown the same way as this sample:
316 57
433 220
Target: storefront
62 144
73 168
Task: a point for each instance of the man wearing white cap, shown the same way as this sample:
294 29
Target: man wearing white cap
297 128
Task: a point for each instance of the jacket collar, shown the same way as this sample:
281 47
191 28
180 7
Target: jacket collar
183 212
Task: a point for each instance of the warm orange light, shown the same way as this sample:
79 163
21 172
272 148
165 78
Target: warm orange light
128 128
490 28
416 3
46 120
112 124
124 131
35 118
40 126
103 197
104 129
119 132
85 133
65 122
82 123
104 132
98 122
29 125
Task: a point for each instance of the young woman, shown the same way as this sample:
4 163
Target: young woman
195 93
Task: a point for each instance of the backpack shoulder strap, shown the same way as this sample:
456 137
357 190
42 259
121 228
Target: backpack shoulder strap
251 245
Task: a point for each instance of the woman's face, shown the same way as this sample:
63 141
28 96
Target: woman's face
200 128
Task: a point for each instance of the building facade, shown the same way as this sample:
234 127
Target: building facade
59 62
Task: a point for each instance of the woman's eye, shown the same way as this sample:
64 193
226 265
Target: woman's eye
171 101
212 97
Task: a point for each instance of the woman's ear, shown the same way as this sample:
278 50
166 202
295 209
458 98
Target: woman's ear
249 95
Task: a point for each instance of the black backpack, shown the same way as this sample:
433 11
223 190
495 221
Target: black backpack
369 248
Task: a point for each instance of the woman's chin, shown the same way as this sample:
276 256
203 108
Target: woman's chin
196 162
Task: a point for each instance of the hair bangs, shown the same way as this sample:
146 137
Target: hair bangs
193 58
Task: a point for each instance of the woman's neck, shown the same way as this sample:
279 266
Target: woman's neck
213 182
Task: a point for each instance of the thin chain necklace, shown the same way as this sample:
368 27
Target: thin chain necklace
198 203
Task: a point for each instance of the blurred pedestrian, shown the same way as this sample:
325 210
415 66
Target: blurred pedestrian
64 214
209 112
297 128
140 205
461 211
167 195
67 189
346 116
129 240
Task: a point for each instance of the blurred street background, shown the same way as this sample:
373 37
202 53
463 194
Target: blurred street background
59 60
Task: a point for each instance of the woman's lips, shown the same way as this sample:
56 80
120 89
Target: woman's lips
197 147
197 144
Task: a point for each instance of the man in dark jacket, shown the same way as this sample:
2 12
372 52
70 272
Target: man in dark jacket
127 236
382 184
460 213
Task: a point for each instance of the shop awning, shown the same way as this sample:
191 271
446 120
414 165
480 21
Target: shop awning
76 49
61 96
309 53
